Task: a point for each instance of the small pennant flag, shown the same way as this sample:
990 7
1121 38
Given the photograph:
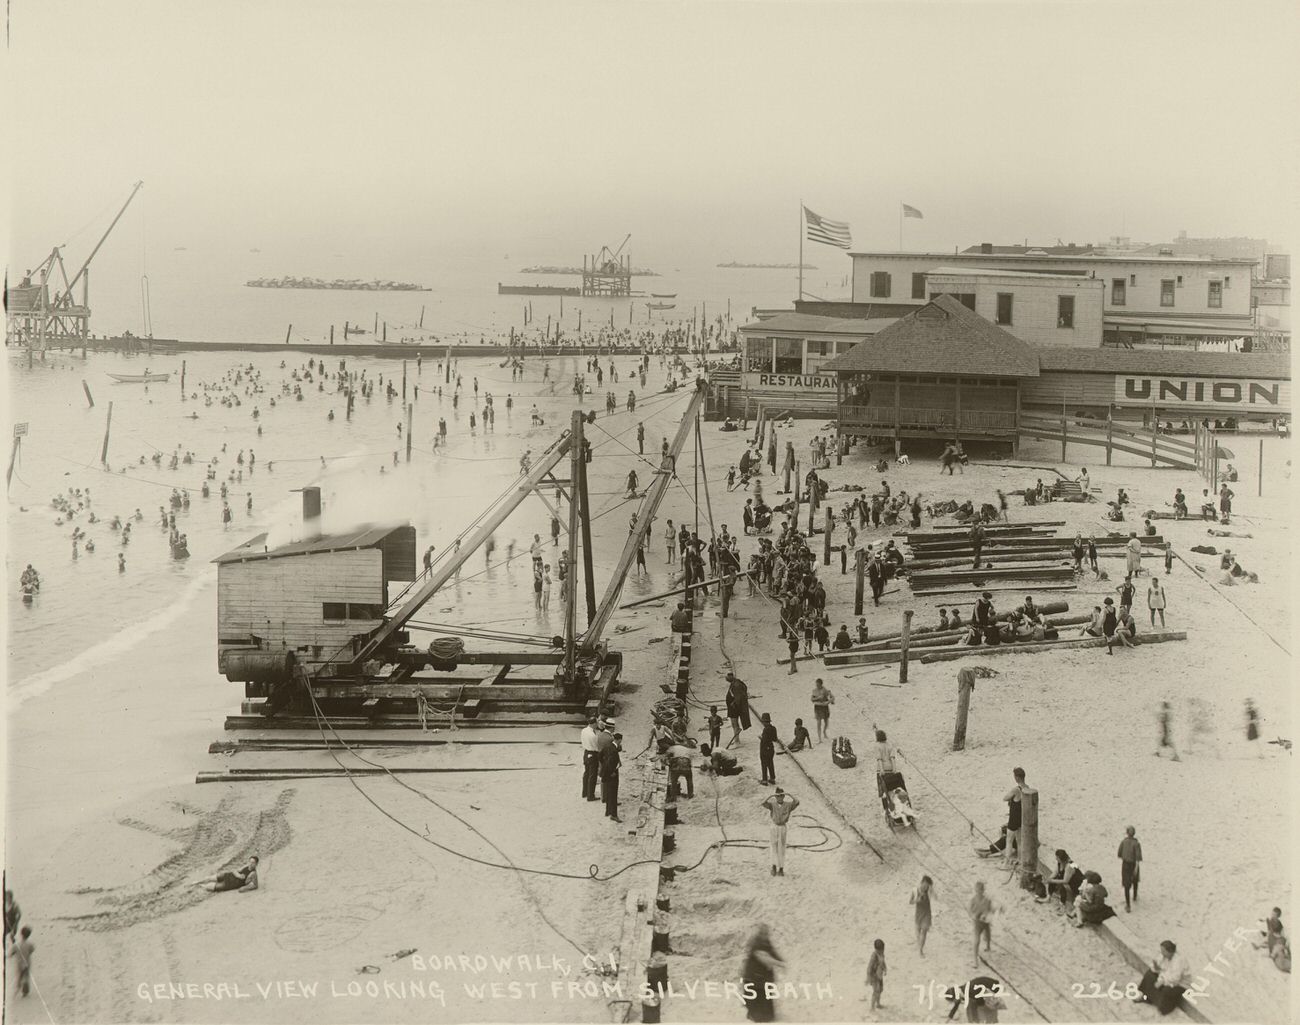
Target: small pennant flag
832 233
911 211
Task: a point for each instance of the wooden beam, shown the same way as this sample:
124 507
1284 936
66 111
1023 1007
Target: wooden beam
1158 637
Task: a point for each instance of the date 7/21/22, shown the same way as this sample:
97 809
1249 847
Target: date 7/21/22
925 994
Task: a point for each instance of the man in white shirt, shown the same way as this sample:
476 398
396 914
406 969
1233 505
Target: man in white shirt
780 805
590 758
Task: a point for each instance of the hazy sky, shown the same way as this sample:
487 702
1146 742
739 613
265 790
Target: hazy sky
551 128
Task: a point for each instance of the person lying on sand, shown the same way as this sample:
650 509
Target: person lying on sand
244 880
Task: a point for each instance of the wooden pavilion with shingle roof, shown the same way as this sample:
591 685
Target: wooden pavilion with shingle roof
942 373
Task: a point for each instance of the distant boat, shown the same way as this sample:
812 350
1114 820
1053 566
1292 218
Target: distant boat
661 306
664 295
145 378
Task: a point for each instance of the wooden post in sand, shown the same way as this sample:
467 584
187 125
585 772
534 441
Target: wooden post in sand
182 382
331 334
826 547
404 383
410 418
904 643
965 686
287 334
860 569
1028 845
1260 475
91 399
796 491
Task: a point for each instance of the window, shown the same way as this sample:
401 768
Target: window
1167 292
918 286
1004 308
1118 292
338 611
819 352
1133 280
758 355
1227 282
789 356
1180 281
1216 294
880 284
1065 311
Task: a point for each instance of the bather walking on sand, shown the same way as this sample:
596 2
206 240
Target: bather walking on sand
244 880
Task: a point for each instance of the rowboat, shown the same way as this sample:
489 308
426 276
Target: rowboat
664 295
661 306
145 378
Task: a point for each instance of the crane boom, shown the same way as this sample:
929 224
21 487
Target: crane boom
645 516
493 519
104 237
620 248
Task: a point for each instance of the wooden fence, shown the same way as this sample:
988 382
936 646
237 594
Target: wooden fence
1161 449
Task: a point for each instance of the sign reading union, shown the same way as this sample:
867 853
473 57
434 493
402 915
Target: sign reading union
1191 392
819 382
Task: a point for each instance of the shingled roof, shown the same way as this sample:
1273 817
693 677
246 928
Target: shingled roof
942 337
1184 362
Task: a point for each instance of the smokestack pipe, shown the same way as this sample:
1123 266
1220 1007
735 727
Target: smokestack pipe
310 513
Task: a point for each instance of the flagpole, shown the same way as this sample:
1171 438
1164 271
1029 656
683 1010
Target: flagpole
801 250
900 225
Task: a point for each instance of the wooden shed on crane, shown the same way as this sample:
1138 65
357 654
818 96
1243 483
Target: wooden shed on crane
306 602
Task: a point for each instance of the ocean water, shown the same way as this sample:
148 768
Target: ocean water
199 295
88 610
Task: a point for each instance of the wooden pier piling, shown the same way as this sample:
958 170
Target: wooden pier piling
108 425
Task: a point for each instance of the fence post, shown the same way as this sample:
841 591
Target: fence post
1155 433
1063 430
1110 425
1260 475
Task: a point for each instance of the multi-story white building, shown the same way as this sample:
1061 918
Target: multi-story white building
1042 309
1155 299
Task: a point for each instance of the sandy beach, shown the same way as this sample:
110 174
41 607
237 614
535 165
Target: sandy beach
347 893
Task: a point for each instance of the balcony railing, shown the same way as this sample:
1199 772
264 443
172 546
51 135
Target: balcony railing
967 420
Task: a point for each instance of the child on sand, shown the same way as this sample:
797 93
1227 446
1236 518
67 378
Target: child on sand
876 973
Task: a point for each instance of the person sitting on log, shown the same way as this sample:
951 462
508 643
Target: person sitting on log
1090 907
1164 983
1094 627
1066 882
1125 631
956 622
1180 505
944 624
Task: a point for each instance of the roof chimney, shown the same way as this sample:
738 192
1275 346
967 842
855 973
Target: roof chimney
310 513
986 248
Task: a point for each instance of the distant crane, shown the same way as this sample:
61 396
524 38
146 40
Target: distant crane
607 273
36 319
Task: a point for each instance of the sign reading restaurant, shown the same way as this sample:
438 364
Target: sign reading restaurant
817 382
1193 392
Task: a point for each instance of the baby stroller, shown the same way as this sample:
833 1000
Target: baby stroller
894 800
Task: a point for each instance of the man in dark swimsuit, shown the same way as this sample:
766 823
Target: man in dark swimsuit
244 880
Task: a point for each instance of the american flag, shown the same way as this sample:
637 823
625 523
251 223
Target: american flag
910 211
832 233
